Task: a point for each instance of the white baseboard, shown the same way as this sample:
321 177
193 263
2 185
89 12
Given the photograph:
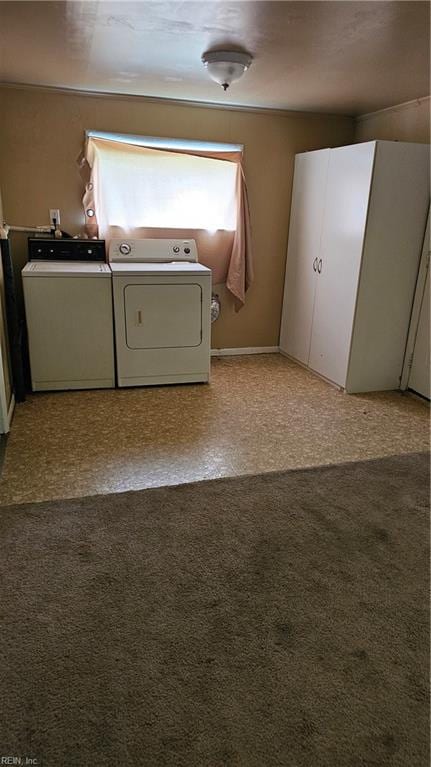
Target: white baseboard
245 350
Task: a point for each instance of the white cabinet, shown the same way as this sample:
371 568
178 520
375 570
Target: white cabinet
419 380
306 221
416 375
357 222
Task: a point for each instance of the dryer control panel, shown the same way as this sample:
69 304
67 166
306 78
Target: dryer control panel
153 250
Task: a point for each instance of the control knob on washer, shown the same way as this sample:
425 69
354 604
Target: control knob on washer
125 248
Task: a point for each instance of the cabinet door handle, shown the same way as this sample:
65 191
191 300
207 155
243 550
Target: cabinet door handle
315 264
139 317
319 265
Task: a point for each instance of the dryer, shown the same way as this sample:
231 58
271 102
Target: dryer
162 306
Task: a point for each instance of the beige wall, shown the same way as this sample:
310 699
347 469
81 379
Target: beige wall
41 135
405 122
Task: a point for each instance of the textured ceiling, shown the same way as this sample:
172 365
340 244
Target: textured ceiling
342 57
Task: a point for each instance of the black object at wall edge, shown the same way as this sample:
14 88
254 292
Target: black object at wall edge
15 323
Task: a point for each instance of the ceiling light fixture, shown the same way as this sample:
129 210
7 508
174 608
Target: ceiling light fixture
226 66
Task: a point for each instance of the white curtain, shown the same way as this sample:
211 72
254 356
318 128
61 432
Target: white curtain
167 190
142 191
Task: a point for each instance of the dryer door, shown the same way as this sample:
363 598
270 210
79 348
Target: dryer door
163 316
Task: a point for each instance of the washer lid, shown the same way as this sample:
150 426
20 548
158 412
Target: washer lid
66 269
173 269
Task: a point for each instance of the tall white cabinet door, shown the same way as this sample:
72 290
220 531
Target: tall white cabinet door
393 241
419 379
306 218
347 196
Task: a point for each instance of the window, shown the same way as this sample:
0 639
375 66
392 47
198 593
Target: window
150 187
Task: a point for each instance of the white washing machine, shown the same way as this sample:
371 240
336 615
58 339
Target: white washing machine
68 306
162 300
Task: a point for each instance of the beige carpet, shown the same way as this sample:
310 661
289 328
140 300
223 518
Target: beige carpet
277 619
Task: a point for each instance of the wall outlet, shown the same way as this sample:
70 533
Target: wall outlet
54 216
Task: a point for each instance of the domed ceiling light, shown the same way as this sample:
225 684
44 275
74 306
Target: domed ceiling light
226 66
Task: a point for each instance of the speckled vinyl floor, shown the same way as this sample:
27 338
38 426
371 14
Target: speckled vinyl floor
260 413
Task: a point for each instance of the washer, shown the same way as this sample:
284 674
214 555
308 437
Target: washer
162 303
68 307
